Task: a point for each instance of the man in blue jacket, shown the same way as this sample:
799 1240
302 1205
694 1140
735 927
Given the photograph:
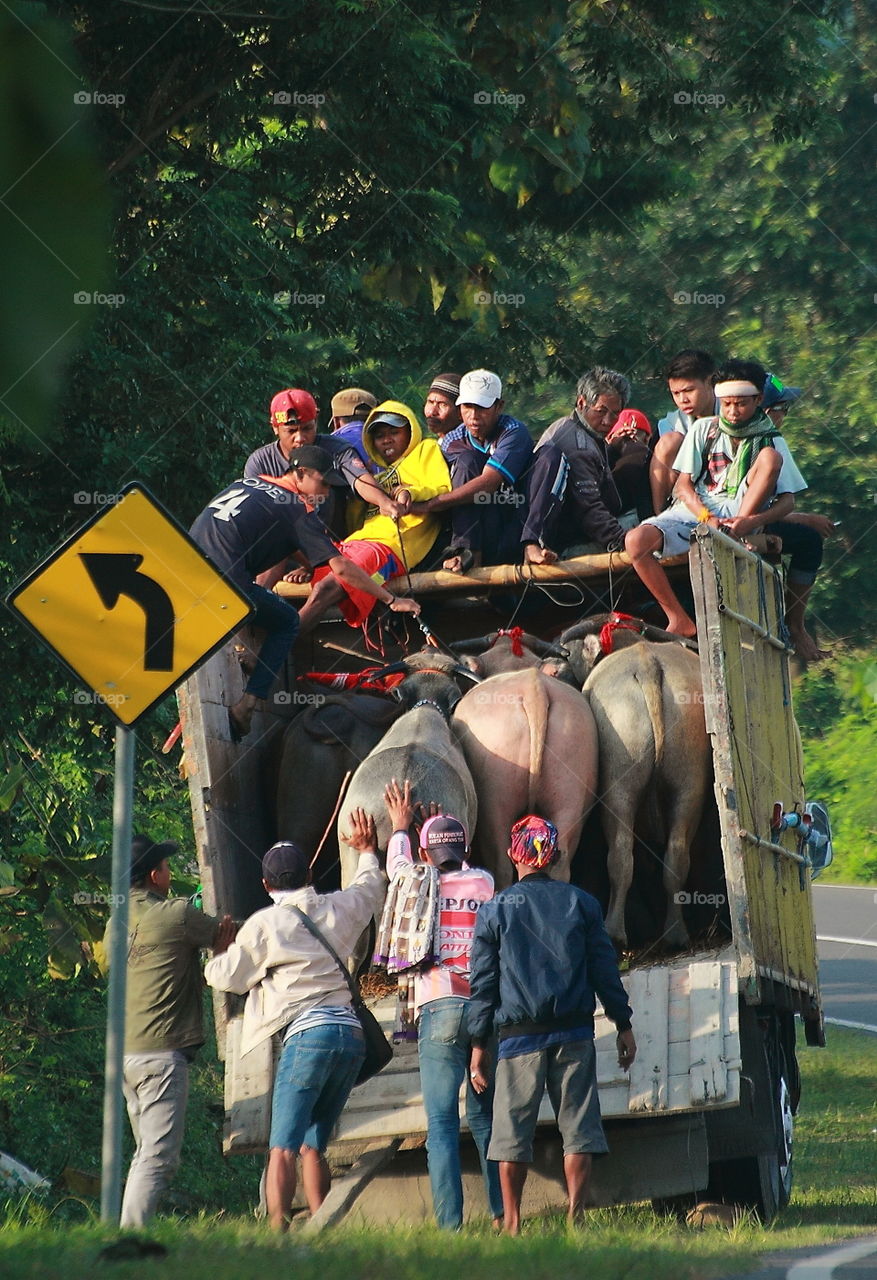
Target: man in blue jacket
539 955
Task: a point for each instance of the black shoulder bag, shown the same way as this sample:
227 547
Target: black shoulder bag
378 1050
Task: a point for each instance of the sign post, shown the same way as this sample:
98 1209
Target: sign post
132 607
123 804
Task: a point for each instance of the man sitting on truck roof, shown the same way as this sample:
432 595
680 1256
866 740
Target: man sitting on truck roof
441 411
488 456
293 419
735 473
573 495
412 469
250 529
294 986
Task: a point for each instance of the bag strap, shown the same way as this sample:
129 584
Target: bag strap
312 929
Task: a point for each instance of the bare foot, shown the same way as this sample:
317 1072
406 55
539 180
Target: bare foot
681 625
240 716
534 554
806 647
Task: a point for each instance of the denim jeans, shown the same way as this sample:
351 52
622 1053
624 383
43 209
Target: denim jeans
156 1088
443 1047
316 1072
279 619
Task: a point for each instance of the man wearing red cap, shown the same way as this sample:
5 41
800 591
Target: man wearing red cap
293 420
539 956
441 993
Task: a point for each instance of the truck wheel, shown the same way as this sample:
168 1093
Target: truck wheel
763 1183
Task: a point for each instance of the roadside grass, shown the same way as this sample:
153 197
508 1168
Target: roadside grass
835 1197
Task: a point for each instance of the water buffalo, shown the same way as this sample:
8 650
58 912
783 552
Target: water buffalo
586 642
329 739
418 746
507 650
531 745
655 761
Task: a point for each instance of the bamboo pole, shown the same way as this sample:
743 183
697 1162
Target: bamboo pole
440 582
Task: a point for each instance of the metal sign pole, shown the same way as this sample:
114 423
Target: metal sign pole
111 1155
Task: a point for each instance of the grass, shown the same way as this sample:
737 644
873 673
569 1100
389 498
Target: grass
834 1198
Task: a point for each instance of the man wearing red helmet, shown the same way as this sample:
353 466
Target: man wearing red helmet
540 955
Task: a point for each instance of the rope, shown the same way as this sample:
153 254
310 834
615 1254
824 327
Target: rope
618 622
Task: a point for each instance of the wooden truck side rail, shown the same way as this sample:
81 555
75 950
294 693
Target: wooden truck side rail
758 763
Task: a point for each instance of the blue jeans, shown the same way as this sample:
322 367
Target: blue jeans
279 619
316 1071
443 1046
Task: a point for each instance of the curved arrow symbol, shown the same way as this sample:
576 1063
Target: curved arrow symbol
116 574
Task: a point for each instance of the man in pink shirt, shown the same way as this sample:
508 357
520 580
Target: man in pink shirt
441 994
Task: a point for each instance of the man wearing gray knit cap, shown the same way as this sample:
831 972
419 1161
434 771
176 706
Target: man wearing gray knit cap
441 411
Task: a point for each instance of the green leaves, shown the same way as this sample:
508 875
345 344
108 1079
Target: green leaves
54 208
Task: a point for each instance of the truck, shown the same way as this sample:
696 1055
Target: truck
707 1110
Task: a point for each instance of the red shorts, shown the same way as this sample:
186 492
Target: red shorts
375 559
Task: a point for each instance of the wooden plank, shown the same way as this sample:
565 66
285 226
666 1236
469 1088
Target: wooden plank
345 1190
708 1076
249 1084
649 991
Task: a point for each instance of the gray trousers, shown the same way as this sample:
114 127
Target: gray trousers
156 1087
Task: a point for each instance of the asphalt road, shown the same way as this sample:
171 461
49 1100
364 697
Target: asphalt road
846 929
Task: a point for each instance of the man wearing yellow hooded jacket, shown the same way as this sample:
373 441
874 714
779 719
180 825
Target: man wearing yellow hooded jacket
411 468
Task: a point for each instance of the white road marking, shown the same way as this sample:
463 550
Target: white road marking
854 1026
823 1267
849 942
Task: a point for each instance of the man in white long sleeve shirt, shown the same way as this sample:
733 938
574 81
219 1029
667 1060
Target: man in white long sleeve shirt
293 984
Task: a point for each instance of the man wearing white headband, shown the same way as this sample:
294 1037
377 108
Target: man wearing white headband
734 469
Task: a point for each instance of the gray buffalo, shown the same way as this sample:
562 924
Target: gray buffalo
655 762
419 746
531 744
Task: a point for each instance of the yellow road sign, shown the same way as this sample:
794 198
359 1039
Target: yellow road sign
130 604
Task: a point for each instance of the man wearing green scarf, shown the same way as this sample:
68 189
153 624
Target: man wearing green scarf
735 473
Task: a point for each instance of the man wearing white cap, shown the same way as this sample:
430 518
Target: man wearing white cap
489 456
735 473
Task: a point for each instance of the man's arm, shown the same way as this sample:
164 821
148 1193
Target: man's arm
243 964
347 572
400 811
489 481
372 493
483 981
596 521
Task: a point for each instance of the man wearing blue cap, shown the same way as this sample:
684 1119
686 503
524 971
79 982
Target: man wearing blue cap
294 986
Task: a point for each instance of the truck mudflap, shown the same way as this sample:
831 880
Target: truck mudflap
758 764
688 1059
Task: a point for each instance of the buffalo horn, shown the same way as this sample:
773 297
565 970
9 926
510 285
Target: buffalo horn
473 646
